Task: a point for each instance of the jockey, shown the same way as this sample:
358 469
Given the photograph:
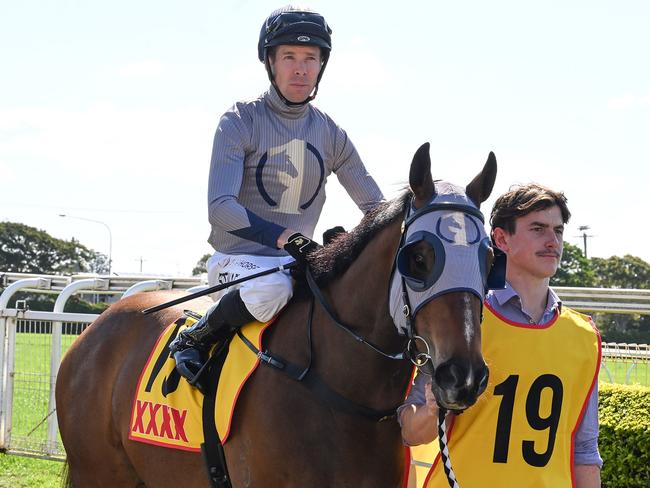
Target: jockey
270 159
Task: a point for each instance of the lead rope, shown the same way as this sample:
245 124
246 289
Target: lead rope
444 449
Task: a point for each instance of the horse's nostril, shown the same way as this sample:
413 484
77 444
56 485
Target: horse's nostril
482 376
450 375
460 383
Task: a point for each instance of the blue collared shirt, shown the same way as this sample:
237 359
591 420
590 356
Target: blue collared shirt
507 303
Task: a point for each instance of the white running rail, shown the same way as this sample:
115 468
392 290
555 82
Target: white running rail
39 338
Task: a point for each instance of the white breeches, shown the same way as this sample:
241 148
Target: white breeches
265 296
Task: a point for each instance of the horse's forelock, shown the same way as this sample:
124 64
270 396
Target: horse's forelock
333 260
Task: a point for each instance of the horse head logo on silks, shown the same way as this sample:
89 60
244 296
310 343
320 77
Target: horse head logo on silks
281 172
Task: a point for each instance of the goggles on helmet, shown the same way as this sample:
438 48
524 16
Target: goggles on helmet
295 27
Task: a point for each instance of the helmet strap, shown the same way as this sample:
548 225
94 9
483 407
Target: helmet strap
269 72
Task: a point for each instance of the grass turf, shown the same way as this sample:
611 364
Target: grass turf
25 472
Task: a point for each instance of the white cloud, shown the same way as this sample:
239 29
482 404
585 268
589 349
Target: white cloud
358 69
138 140
7 175
628 101
149 68
248 77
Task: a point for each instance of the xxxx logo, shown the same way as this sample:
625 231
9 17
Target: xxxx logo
161 421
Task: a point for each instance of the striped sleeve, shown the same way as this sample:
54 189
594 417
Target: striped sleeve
231 140
353 175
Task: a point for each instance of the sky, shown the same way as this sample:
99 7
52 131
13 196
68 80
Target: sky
108 110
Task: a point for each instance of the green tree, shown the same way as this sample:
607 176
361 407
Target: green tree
621 272
25 249
201 265
575 269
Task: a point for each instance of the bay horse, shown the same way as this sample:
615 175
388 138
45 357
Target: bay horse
282 434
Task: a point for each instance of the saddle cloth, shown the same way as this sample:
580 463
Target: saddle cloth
167 411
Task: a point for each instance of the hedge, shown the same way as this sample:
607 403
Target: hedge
624 443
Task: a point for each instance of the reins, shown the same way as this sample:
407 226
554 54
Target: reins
310 379
332 315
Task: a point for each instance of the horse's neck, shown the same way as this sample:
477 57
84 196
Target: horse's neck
361 294
360 298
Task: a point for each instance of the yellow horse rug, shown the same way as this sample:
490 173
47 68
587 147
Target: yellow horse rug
167 411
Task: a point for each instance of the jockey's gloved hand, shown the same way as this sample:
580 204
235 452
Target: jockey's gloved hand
299 247
330 234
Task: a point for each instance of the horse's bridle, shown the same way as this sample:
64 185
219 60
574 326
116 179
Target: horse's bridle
417 358
421 358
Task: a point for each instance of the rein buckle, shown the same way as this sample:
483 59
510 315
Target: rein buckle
418 359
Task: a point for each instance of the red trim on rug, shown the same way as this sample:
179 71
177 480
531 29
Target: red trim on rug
163 444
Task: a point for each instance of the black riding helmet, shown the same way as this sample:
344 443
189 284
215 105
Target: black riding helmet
296 26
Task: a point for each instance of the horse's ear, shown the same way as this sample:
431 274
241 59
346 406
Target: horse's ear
420 176
481 186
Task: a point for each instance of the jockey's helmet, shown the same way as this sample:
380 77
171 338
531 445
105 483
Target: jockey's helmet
295 26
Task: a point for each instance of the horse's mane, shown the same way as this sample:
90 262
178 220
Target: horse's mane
333 260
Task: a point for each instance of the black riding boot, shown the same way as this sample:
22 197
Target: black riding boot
191 345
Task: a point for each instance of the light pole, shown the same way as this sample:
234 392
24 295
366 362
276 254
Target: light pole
584 229
110 236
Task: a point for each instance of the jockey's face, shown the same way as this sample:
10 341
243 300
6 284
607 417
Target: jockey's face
295 70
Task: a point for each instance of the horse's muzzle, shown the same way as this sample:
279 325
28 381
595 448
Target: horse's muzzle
457 387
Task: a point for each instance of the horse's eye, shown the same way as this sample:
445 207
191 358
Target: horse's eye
422 259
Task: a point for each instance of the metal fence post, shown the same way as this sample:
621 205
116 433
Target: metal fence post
3 380
55 361
10 365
